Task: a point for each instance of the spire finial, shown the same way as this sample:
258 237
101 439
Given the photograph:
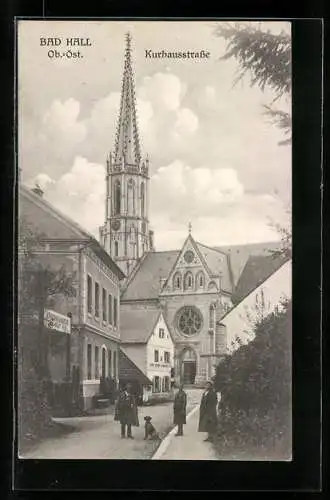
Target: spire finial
189 227
128 41
127 137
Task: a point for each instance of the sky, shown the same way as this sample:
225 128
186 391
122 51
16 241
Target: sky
214 157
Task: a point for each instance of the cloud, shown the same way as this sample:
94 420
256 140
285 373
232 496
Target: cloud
80 193
214 159
164 90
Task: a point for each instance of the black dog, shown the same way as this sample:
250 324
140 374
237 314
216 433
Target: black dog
149 430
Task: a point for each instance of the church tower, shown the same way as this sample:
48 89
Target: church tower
125 234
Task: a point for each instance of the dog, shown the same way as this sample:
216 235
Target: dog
149 430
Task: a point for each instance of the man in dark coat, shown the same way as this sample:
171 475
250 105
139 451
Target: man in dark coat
179 408
126 412
208 412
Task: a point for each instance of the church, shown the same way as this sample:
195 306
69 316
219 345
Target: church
194 286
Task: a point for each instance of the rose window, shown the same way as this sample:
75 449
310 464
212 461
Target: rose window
189 320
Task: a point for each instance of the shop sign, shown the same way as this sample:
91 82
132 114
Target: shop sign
57 322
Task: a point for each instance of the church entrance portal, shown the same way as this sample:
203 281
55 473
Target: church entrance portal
189 372
188 366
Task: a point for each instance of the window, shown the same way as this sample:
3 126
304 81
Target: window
97 300
117 195
110 309
103 363
188 281
116 248
165 384
115 311
161 333
212 316
97 371
104 304
89 361
189 320
115 364
177 281
156 384
109 363
156 356
166 357
200 280
131 197
89 294
142 199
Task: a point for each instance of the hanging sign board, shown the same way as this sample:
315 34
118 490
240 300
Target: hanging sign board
57 322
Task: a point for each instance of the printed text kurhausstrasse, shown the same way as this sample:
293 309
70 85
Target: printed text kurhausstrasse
188 54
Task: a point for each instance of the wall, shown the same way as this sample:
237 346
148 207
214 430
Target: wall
161 368
236 322
99 273
92 386
201 341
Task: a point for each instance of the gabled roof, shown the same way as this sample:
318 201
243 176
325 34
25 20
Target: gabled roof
54 225
257 270
146 282
136 326
217 262
128 370
239 255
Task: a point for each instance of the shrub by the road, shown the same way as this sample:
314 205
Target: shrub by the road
255 383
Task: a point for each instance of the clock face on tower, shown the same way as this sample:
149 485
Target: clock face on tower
115 224
188 256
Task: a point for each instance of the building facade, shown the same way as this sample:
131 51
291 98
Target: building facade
94 308
237 325
147 341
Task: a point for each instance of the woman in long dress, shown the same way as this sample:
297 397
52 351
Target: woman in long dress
208 412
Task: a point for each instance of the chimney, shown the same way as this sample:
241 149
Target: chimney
37 189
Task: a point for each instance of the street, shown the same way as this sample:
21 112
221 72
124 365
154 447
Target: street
98 437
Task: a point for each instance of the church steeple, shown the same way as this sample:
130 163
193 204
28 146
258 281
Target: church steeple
127 145
125 234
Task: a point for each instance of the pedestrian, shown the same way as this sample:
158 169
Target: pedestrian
208 412
126 412
179 408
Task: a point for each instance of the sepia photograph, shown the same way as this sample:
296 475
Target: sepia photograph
154 240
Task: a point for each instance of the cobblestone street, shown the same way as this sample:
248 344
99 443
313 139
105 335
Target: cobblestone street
98 437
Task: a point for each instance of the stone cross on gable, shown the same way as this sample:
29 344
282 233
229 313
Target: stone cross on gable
189 227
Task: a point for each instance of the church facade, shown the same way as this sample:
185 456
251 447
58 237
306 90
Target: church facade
194 286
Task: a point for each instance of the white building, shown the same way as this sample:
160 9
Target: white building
258 303
146 340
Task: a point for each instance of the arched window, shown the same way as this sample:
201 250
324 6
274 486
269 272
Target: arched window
212 316
103 365
131 197
117 195
177 281
200 280
116 248
212 285
142 196
188 281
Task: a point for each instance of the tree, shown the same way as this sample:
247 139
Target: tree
266 58
285 233
255 382
37 284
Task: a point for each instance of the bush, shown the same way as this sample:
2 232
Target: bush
255 383
34 416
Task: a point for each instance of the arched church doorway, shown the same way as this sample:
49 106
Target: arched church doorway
188 366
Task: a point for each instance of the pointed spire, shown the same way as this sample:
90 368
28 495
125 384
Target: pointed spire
127 138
